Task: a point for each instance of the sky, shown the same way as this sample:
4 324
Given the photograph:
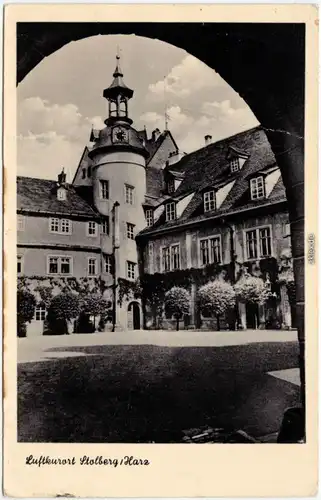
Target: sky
60 100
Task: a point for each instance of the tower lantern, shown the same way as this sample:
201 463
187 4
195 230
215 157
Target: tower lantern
118 95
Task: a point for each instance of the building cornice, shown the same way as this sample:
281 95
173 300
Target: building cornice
68 215
60 246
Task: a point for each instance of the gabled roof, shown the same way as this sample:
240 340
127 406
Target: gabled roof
40 195
152 146
209 167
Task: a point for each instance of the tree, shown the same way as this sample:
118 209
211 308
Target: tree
26 303
95 305
63 308
216 297
252 290
177 302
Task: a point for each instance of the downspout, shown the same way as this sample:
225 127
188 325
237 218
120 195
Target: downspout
115 211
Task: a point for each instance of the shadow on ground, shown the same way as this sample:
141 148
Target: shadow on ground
146 393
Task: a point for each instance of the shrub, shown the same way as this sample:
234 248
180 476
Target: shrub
252 290
177 303
26 303
216 298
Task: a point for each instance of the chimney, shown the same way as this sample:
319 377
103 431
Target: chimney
208 139
155 134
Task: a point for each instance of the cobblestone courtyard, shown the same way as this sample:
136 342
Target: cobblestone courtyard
149 386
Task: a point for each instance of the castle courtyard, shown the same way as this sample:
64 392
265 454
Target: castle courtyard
152 386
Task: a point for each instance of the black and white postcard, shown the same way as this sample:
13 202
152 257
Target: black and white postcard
160 240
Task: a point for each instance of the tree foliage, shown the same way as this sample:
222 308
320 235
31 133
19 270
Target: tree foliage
252 290
216 297
26 303
177 302
64 306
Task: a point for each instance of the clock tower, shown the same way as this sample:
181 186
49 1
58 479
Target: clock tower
119 188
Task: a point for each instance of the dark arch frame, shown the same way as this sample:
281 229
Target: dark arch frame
263 62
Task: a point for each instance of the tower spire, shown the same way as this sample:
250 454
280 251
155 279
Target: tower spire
118 95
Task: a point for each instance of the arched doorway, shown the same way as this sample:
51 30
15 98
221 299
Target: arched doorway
133 316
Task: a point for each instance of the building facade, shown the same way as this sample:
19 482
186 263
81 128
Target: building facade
138 209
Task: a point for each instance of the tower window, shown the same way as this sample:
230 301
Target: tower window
130 231
108 264
91 228
105 226
129 194
84 173
89 172
104 190
234 164
209 201
170 211
257 188
130 270
149 217
92 266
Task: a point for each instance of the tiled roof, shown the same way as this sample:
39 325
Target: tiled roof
40 195
209 167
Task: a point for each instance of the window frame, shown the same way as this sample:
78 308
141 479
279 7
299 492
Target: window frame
60 224
130 263
102 184
40 309
234 162
257 229
59 257
88 266
254 190
128 189
170 212
61 194
209 201
130 231
108 257
170 257
21 223
211 260
149 219
171 185
106 222
87 229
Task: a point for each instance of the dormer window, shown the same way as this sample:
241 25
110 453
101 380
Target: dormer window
234 164
149 217
257 188
171 186
61 194
170 211
209 200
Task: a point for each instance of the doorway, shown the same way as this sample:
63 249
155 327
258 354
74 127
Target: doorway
252 316
133 316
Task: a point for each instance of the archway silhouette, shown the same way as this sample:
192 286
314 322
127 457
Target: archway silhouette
263 62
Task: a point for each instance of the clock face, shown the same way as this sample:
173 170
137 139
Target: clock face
120 134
